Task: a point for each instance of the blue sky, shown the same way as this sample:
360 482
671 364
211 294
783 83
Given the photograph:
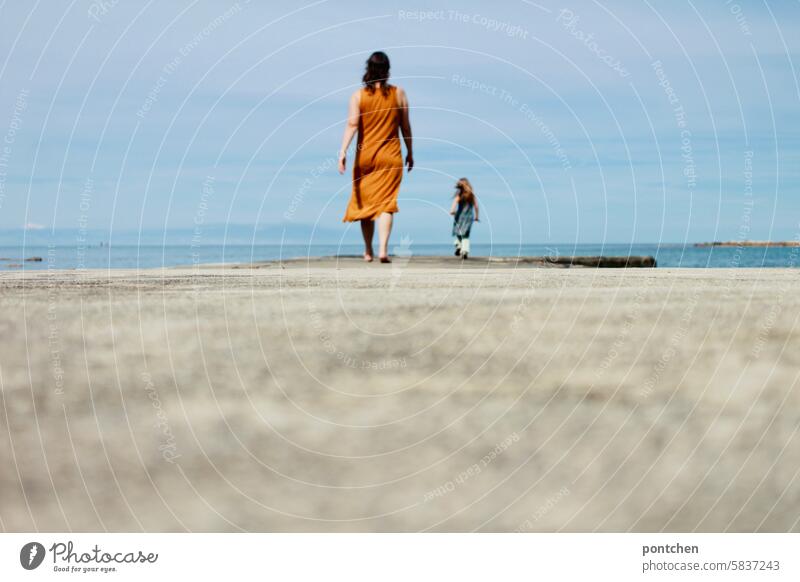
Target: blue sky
575 121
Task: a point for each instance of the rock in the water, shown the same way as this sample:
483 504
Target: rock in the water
604 262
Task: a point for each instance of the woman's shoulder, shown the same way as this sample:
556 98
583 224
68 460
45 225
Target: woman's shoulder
400 96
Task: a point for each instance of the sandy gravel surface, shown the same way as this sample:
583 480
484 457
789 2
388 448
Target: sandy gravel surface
411 396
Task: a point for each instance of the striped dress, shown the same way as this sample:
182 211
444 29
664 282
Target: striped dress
462 223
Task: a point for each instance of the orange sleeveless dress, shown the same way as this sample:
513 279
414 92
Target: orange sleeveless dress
378 167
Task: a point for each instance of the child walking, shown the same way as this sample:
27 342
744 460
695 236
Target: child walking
464 211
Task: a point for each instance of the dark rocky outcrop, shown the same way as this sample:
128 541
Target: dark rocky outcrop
604 262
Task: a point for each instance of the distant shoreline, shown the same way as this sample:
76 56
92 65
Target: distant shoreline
116 256
750 243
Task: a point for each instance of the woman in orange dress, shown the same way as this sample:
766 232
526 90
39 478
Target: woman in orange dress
378 112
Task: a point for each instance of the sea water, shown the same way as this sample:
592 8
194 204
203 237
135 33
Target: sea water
65 256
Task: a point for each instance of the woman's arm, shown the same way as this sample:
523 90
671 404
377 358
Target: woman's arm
405 127
476 210
454 205
350 129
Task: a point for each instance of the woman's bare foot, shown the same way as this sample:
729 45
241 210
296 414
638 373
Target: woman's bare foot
385 260
367 230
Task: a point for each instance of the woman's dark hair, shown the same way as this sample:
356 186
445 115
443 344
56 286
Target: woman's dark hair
377 72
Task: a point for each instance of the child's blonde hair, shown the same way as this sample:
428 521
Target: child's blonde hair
464 191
